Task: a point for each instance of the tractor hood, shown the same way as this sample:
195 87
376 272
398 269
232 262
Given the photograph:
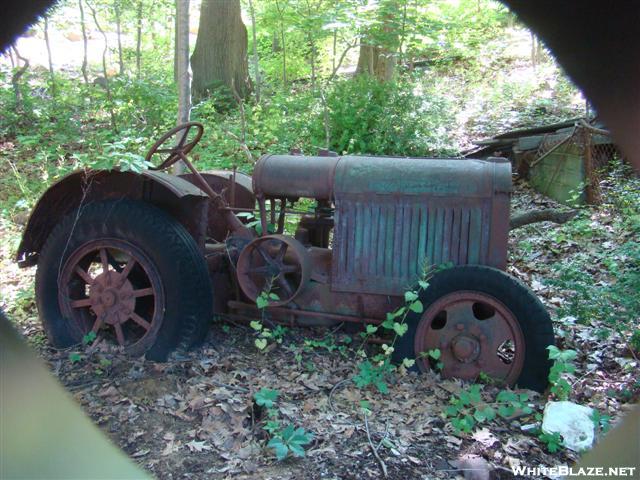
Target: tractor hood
324 178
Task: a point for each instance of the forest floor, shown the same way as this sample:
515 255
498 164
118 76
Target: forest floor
195 417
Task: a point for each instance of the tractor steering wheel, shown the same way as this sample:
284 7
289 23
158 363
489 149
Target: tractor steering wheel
179 150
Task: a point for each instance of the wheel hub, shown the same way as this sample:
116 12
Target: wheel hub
274 264
470 329
465 348
112 297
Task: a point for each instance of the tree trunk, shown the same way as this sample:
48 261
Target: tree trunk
84 44
283 47
50 58
119 36
138 38
376 61
312 44
256 66
554 215
220 56
15 78
182 67
107 87
379 46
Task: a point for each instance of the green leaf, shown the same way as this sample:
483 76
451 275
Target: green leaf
474 394
271 426
295 439
281 450
400 328
266 397
506 396
486 413
410 296
75 357
451 411
260 343
506 411
256 325
89 338
423 284
408 362
416 307
435 353
388 323
554 352
371 329
262 302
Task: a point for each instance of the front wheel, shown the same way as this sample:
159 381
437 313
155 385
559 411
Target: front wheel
481 320
126 271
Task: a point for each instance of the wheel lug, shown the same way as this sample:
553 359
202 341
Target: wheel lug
460 327
483 338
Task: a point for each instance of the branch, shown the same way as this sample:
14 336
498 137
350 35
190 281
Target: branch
554 215
16 77
355 43
373 447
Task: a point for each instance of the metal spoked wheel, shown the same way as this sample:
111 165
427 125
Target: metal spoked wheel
475 333
109 287
127 271
275 264
481 320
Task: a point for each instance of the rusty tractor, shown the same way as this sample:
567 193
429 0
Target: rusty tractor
148 260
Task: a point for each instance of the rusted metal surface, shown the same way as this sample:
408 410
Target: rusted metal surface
275 264
180 149
221 181
295 176
378 223
395 215
110 287
475 333
183 200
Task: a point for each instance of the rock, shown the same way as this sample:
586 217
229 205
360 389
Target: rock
473 467
572 421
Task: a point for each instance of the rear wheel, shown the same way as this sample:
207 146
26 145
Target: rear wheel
482 321
128 272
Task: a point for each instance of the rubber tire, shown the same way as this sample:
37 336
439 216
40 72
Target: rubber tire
531 314
168 245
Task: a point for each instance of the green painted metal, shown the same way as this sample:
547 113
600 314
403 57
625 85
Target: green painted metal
394 216
561 175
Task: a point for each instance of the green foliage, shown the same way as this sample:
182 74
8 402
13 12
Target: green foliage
266 397
292 440
611 302
552 441
374 371
398 118
89 338
75 357
283 441
263 333
370 374
562 367
468 408
601 422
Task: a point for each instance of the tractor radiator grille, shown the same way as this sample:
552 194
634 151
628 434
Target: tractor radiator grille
382 245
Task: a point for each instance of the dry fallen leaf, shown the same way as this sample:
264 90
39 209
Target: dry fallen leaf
485 437
195 446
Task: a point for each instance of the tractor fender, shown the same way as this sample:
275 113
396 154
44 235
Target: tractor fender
177 196
237 191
